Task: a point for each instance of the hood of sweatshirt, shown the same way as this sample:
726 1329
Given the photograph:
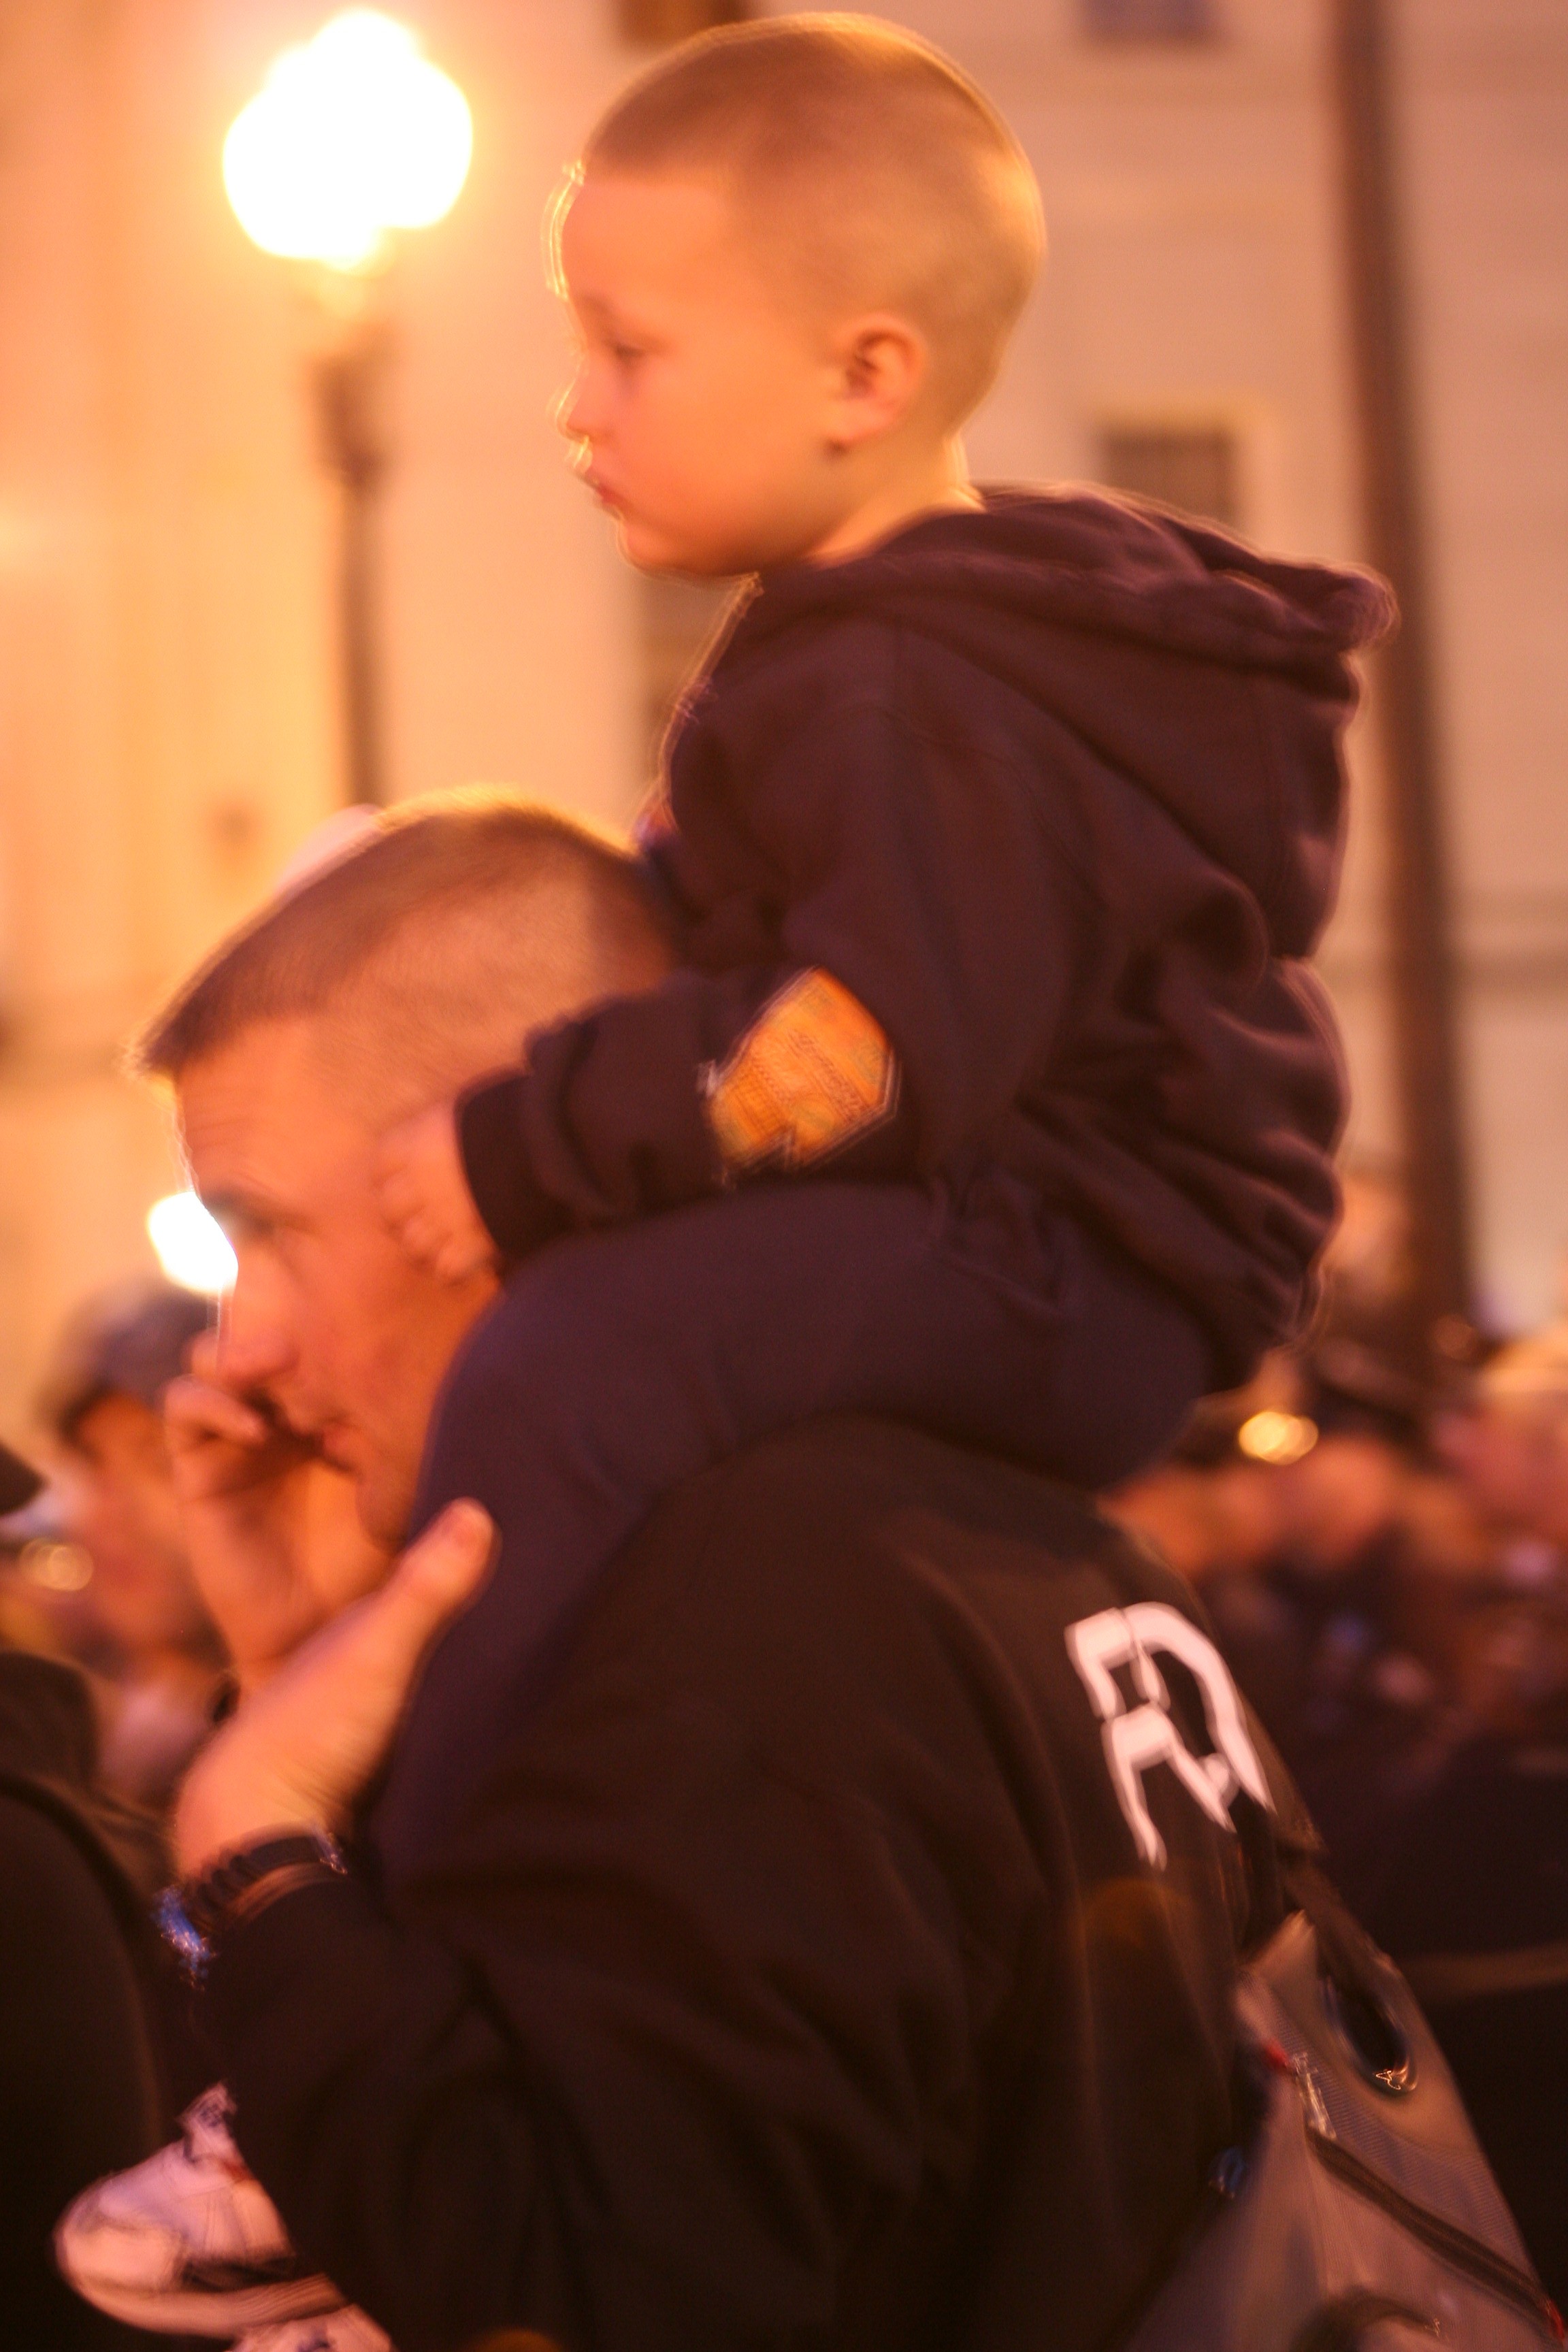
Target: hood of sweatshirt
1217 678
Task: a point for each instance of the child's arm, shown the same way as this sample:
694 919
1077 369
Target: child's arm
929 927
811 1075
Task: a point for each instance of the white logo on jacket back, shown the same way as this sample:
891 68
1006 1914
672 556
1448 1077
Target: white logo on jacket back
1138 1738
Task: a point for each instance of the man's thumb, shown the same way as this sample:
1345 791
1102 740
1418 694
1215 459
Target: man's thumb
446 1568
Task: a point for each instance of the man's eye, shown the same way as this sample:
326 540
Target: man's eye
626 354
242 1228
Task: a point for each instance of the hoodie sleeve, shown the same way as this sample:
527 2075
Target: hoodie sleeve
927 927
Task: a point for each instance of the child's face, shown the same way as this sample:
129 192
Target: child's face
702 404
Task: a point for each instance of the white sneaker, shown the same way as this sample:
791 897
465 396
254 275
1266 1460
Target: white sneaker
189 2242
348 2330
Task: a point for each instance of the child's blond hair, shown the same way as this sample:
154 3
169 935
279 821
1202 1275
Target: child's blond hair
868 169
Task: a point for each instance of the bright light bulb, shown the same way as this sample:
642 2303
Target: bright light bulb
193 1248
355 133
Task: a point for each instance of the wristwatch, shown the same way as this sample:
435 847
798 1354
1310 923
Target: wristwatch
191 1917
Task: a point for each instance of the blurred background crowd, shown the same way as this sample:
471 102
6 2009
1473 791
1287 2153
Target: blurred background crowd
283 527
1379 1529
95 1569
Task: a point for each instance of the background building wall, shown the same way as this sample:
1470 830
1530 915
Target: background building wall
169 721
1483 125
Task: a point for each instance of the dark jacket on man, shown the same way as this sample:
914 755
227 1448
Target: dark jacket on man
797 1975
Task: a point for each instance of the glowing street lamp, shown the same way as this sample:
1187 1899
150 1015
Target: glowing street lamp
354 137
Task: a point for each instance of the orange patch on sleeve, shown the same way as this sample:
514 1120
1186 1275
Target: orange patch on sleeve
813 1071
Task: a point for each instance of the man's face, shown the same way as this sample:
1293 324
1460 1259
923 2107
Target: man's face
282 1154
702 397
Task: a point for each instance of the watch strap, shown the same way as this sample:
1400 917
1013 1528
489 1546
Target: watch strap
194 1916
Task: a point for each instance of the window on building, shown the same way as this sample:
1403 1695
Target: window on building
678 616
673 20
1149 20
1194 467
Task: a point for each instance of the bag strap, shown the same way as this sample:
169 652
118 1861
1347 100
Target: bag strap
1283 1858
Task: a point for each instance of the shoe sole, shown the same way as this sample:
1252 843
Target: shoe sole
196 2311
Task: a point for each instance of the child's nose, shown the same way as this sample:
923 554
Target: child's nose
575 410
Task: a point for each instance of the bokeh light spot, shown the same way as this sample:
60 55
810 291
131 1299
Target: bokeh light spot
1278 1437
193 1248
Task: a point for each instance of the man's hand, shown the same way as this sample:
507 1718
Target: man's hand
297 1754
274 1545
425 1197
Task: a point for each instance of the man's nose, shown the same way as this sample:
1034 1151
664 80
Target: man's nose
250 1325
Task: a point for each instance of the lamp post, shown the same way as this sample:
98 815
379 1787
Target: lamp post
354 137
1425 988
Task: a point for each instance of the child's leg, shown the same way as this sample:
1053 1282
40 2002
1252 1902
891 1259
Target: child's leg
619 1364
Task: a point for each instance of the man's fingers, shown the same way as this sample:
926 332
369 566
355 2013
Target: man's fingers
305 1745
195 1409
435 1578
448 1564
376 1646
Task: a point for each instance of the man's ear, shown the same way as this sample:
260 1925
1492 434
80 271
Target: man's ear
880 364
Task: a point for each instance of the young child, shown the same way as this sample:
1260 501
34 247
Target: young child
994 1092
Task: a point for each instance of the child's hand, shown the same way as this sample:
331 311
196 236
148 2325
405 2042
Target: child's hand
425 1196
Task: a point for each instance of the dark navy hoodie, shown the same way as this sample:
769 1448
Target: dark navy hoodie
1055 788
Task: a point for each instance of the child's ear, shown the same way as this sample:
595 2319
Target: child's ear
880 364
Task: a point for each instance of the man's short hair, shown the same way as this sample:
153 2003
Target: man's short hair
864 161
451 921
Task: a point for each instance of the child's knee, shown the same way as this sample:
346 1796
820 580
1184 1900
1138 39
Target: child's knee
540 1343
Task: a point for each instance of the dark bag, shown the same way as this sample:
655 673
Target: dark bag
1355 2211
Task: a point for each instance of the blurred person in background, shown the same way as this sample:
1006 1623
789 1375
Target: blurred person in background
1331 1547
1387 1573
1477 1895
1305 1528
82 2086
152 1643
1506 1443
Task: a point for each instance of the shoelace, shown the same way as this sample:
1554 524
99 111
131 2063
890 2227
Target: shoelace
204 2128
